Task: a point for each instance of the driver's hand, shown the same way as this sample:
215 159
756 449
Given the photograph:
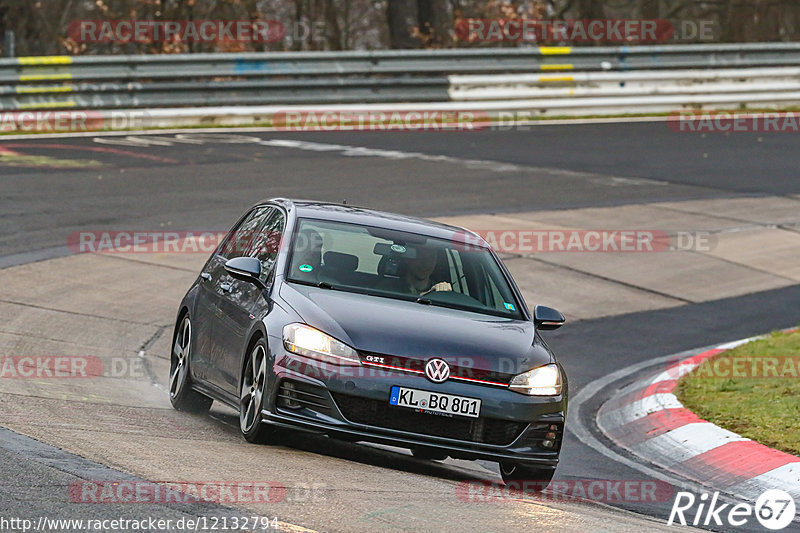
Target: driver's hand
442 286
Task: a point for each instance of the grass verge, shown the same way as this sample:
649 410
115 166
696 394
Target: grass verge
752 390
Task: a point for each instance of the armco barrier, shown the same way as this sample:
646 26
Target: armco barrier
546 81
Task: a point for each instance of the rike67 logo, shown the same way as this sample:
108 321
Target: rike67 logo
774 509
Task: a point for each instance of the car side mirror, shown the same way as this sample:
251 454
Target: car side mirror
246 269
547 318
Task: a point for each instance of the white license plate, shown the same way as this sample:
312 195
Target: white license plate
435 402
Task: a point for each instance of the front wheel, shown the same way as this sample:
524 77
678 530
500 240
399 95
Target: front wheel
181 394
539 477
251 396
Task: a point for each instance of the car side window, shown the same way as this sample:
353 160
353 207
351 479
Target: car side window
267 242
238 241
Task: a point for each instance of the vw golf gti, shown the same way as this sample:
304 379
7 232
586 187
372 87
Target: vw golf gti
370 326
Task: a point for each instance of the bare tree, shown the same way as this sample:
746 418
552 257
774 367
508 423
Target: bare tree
41 26
435 22
403 19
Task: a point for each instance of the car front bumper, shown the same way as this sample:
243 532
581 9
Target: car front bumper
352 404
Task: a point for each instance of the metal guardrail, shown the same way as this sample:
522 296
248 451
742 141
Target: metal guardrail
150 94
710 82
535 77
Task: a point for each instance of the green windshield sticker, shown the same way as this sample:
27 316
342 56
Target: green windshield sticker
399 248
305 268
509 306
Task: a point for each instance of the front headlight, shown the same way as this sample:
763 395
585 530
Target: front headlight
305 340
542 381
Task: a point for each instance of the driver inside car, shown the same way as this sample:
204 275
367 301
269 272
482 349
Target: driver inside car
415 277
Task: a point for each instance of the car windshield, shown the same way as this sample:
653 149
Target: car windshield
395 264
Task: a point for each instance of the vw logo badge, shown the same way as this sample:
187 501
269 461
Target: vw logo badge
437 370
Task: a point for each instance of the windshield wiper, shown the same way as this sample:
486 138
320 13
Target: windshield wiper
427 301
320 284
436 303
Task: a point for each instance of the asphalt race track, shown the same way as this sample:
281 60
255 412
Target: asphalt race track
543 168
53 187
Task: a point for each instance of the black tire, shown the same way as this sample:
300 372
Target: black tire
538 478
428 454
181 394
251 396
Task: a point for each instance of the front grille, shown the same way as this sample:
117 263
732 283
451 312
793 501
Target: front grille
296 395
381 414
463 367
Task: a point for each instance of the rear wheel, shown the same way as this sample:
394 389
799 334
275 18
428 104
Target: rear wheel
181 395
539 478
251 396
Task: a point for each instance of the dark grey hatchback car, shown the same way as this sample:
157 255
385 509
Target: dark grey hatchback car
370 326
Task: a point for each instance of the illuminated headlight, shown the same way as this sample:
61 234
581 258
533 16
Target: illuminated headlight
542 381
305 340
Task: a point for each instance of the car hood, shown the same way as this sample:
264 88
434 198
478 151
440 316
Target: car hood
376 325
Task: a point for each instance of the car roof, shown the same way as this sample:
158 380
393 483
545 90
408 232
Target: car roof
370 217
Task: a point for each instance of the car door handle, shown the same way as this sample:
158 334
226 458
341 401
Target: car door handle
227 287
206 276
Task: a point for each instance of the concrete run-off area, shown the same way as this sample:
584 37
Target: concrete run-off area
716 249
